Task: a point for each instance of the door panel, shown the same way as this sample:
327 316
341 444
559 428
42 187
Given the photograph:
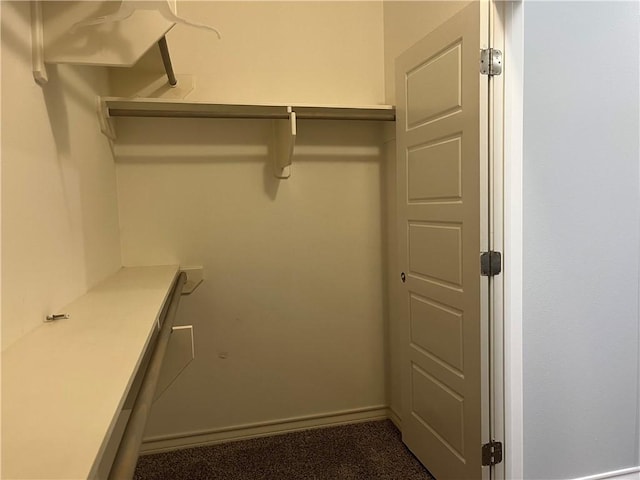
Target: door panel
441 73
437 329
442 210
434 171
435 251
440 410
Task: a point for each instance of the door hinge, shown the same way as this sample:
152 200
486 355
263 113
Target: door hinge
491 453
490 263
490 61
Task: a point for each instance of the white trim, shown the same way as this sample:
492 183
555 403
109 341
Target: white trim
513 238
165 443
496 236
395 417
638 342
625 474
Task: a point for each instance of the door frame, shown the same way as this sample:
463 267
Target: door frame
506 161
506 30
496 156
506 236
511 128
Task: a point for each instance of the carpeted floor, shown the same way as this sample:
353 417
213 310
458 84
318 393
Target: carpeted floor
364 451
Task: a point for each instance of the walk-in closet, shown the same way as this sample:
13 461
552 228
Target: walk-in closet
253 221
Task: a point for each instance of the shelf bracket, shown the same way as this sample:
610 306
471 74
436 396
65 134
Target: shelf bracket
283 143
37 44
106 122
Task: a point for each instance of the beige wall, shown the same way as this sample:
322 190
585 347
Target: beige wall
289 322
272 52
393 331
296 269
291 319
59 213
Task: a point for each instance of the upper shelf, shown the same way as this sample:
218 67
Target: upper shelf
113 44
284 118
151 107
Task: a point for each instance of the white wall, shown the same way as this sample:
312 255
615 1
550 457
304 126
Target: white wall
290 321
59 213
581 238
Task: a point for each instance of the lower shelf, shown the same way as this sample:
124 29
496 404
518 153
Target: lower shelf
65 383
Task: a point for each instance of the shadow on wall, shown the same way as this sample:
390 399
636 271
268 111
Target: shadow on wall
195 141
85 164
52 92
60 229
86 41
54 98
271 182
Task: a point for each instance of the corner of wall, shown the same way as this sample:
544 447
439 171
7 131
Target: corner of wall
60 230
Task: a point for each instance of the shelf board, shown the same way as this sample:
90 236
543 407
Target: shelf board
118 44
65 382
150 107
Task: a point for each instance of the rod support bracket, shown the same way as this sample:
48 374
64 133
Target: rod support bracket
37 44
283 144
106 122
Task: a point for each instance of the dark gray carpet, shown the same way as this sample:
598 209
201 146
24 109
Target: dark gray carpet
367 451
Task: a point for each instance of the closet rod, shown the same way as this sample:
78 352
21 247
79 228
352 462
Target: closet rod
127 456
115 112
249 112
166 60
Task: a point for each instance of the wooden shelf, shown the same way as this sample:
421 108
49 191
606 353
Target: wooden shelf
284 117
64 384
119 44
151 107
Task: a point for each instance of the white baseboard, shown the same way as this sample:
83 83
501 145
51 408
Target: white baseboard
167 443
394 416
625 474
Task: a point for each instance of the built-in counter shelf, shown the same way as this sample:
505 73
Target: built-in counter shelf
283 116
65 384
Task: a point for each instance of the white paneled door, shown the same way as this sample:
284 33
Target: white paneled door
442 141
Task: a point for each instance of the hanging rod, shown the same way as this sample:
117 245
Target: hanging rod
118 107
166 61
127 455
